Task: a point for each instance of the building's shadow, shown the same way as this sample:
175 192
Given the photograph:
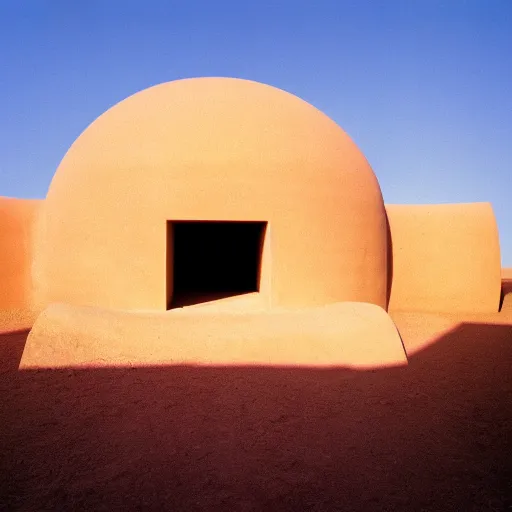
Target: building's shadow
435 436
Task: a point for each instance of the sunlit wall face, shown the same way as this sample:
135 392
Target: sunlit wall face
213 149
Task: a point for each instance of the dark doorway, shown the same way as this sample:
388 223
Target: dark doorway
210 260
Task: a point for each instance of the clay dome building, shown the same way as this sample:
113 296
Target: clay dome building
231 196
213 185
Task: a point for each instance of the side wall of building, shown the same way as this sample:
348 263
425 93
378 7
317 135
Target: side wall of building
17 222
444 258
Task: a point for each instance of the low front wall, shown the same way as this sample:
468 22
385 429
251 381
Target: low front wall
348 334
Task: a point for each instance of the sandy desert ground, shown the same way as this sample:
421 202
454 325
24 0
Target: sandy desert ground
435 436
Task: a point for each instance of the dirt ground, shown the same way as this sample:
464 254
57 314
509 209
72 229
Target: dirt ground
435 436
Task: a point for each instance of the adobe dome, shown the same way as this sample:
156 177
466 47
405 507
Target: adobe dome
212 149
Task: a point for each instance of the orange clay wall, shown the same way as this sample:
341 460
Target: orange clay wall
345 334
213 149
444 258
17 219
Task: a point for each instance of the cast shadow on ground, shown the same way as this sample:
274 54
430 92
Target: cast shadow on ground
435 436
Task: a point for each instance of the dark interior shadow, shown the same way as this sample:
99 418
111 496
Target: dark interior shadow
389 261
434 436
207 260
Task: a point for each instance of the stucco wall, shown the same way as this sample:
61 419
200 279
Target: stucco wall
444 257
17 219
213 149
347 334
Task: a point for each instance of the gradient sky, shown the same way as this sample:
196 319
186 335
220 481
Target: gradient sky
424 87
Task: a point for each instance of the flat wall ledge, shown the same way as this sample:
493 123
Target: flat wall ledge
356 335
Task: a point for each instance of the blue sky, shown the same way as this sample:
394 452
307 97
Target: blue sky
424 87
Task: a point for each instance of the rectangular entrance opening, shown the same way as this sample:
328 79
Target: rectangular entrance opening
211 260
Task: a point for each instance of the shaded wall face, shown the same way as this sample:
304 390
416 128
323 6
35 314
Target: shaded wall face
444 258
225 152
17 218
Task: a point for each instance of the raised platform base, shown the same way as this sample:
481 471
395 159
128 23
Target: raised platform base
348 334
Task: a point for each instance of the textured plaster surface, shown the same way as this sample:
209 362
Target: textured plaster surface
17 220
221 150
355 335
444 258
